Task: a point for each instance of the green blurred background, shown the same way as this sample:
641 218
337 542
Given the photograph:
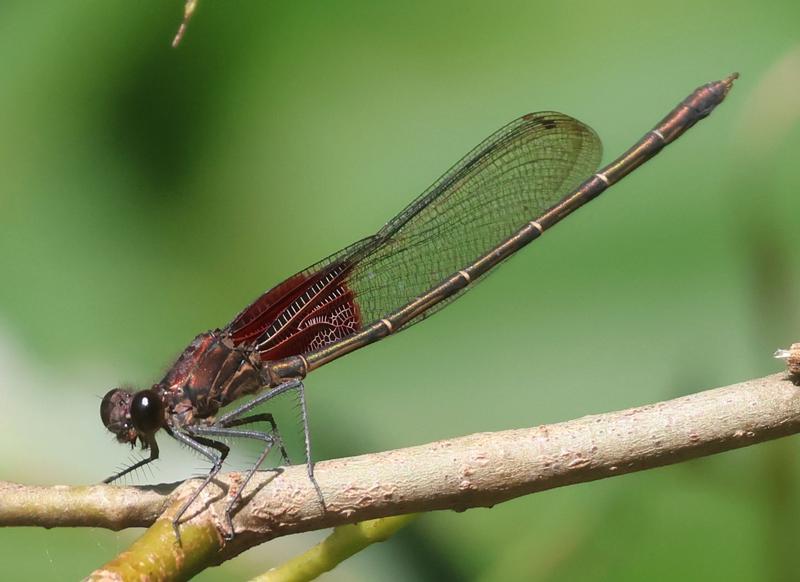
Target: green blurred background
147 194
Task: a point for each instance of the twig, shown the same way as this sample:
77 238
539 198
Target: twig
792 358
188 10
345 541
114 508
480 470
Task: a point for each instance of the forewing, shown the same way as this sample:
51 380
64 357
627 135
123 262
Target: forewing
511 178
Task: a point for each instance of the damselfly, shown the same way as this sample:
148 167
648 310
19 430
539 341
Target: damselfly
504 194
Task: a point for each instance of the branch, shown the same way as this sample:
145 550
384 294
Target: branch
479 470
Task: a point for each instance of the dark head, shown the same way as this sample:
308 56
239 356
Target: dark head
130 416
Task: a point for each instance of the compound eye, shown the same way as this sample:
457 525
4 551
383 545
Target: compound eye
107 407
146 412
115 409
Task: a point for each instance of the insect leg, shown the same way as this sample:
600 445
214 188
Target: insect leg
262 417
213 451
151 443
269 438
293 384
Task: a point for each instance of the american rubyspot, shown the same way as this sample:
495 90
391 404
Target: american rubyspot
502 195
